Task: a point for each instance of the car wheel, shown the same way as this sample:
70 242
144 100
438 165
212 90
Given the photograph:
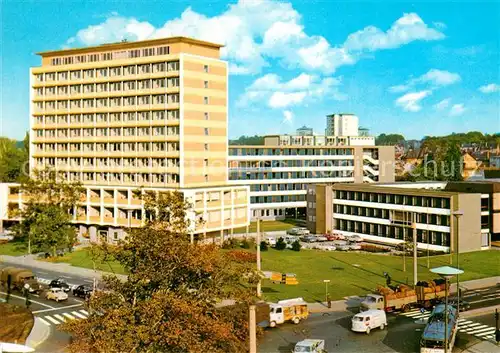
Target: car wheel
368 330
382 326
296 320
405 308
273 324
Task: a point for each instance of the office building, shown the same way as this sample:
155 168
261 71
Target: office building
150 114
305 131
387 213
280 171
342 124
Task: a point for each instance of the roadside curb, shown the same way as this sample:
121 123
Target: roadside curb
479 311
39 334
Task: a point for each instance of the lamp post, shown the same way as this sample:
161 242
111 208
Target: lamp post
446 272
326 281
259 289
457 215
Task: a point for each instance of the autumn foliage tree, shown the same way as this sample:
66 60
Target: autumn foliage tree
170 300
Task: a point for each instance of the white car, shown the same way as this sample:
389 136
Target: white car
343 247
355 238
328 248
56 294
321 238
310 346
354 246
271 241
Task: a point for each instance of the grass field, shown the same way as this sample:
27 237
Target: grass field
269 226
359 273
13 248
81 258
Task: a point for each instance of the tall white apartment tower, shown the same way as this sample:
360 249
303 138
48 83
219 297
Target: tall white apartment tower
342 124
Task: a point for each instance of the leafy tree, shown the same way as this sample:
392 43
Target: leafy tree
12 161
452 163
389 139
296 246
263 246
168 301
280 244
248 140
47 212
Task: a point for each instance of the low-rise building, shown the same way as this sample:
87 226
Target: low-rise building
387 213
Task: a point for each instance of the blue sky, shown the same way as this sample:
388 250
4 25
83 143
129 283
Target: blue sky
421 68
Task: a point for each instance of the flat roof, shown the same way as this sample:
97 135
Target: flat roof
393 190
129 45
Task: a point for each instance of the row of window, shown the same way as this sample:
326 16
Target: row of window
108 147
286 198
117 178
334 151
277 187
120 86
161 66
249 165
423 218
290 175
144 115
131 101
110 162
421 201
394 232
111 132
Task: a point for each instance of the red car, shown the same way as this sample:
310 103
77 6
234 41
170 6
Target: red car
335 236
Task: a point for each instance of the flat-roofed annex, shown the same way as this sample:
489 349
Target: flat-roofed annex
129 45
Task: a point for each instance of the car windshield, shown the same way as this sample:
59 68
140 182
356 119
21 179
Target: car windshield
370 300
302 349
357 318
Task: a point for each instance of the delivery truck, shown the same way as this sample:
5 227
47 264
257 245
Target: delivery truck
290 310
19 278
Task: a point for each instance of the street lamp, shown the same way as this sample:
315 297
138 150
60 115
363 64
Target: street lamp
326 281
446 272
457 215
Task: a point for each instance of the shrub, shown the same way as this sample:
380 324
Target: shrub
280 244
296 246
231 243
248 243
263 246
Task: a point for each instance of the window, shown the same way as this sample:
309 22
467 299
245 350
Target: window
205 68
206 146
206 131
106 56
130 70
206 115
134 53
163 50
159 67
205 100
173 82
102 72
148 52
205 84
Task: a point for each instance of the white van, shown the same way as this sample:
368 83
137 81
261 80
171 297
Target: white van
368 320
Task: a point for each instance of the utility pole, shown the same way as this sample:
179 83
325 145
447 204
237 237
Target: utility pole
497 330
457 215
259 290
404 241
253 330
414 226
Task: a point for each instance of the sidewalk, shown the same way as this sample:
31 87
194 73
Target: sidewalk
30 260
39 333
483 347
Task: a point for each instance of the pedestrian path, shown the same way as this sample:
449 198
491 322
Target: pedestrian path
57 319
464 325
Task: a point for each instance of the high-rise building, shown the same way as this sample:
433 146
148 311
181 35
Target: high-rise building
342 124
149 114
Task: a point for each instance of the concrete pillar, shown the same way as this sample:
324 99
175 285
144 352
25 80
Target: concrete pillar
191 238
221 236
93 234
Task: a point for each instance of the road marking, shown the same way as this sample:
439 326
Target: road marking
54 309
487 332
88 280
475 329
84 312
50 318
57 316
484 330
68 316
33 301
45 322
78 314
45 273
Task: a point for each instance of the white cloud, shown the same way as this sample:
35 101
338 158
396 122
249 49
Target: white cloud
457 109
491 88
439 25
287 116
299 90
407 29
434 77
443 104
410 101
254 31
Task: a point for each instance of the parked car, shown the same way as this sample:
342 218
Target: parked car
328 248
365 321
293 231
309 239
330 237
270 240
354 246
310 346
321 238
290 239
355 238
82 291
56 294
59 283
344 247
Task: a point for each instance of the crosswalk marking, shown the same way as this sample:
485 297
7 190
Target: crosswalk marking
57 316
84 312
50 318
69 316
44 321
469 327
78 314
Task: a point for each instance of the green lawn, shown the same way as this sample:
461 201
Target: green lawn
269 226
81 258
13 248
359 273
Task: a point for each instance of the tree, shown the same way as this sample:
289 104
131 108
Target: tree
263 246
296 246
452 163
389 140
47 212
168 301
280 244
12 161
248 140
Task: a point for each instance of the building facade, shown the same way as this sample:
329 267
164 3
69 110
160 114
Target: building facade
342 124
305 131
149 114
279 172
389 213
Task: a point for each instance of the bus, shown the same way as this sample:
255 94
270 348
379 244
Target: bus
433 338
